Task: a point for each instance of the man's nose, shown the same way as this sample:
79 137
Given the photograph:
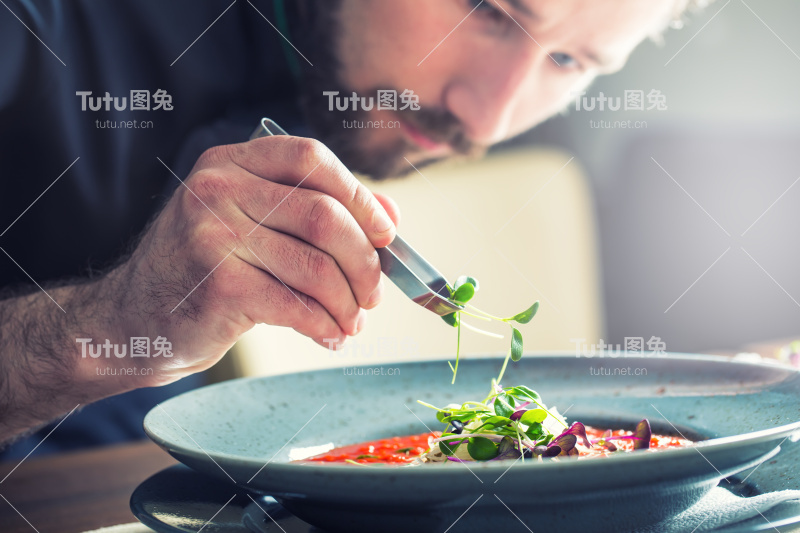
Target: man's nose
485 97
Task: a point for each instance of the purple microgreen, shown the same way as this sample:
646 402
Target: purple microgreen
507 449
541 450
552 451
566 442
579 430
642 434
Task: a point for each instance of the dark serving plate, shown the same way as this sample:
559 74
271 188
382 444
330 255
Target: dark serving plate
180 500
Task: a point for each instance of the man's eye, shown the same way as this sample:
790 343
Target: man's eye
564 60
483 7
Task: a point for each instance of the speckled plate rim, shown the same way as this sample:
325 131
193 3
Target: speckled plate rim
437 470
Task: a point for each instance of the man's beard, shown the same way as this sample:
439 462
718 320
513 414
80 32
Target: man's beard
351 145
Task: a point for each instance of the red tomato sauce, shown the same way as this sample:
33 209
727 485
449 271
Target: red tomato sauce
403 450
394 450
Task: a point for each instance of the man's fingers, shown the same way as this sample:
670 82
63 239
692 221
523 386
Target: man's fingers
268 301
307 163
322 222
306 269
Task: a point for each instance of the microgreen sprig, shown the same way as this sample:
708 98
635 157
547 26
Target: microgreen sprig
461 293
510 423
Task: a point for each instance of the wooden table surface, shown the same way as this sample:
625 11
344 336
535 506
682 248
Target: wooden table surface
76 492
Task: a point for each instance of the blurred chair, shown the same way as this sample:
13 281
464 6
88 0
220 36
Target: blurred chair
521 222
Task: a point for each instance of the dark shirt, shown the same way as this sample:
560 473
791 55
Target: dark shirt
234 74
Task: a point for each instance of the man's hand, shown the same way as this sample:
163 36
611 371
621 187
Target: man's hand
273 231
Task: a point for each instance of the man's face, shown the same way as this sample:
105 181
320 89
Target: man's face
482 79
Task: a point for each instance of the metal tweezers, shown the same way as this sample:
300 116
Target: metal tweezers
415 276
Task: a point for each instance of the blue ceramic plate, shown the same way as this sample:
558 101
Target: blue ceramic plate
245 430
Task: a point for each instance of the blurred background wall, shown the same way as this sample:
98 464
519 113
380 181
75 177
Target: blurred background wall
730 140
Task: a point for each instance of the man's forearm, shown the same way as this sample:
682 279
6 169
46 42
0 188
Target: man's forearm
42 371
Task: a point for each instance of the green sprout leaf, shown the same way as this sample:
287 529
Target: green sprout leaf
516 344
527 315
504 405
521 392
464 293
481 449
533 416
535 431
463 416
497 421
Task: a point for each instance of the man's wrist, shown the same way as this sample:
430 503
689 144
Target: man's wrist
100 347
43 372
